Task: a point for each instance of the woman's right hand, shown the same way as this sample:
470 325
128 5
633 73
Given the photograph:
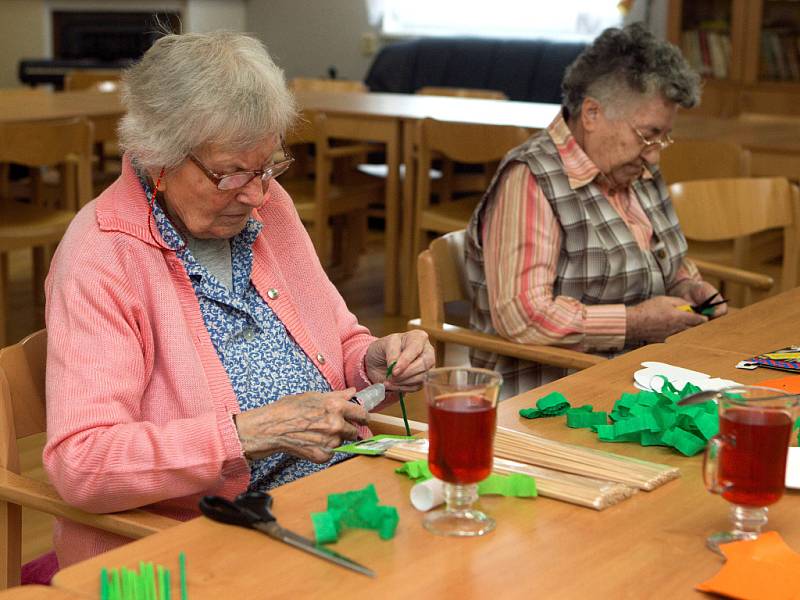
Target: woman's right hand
656 319
309 425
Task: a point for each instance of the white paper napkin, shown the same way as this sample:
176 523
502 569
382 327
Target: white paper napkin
650 378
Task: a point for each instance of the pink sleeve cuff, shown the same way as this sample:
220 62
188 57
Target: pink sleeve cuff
604 326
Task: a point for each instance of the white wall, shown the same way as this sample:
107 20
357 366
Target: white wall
209 15
305 37
22 35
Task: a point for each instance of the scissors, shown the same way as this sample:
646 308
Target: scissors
253 510
706 304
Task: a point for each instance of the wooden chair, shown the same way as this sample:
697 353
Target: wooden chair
66 144
462 143
309 84
22 413
330 198
105 128
689 160
724 209
101 80
442 281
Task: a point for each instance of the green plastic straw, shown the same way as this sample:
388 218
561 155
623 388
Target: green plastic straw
162 593
103 584
402 400
116 590
182 565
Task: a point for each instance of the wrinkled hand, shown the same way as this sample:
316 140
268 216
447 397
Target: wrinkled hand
658 318
413 353
307 425
695 292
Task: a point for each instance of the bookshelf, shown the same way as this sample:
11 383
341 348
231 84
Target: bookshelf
748 52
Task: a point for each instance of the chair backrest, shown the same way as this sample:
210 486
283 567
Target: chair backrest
689 160
462 92
65 142
727 209
442 277
307 84
101 80
22 394
467 142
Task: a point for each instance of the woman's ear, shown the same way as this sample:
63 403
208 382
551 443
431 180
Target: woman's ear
591 113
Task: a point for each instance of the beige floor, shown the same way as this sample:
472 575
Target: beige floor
363 293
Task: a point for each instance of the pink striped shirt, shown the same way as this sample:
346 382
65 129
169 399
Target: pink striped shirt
522 242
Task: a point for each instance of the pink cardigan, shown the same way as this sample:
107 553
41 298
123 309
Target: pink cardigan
138 404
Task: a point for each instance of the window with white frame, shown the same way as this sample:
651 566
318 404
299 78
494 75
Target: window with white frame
575 20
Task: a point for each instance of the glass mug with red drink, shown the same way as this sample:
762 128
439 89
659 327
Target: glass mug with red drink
462 415
746 462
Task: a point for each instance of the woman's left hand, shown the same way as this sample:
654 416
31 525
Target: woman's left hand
696 292
413 353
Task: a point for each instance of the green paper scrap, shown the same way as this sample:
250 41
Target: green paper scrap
797 426
103 584
584 416
514 485
552 405
417 470
357 509
653 419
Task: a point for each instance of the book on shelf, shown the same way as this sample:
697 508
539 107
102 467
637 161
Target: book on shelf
708 51
780 55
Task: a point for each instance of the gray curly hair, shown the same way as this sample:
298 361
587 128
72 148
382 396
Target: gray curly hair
194 89
627 62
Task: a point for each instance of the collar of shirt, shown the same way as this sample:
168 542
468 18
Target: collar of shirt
579 168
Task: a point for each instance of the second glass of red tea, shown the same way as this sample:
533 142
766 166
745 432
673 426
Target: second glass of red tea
746 462
462 414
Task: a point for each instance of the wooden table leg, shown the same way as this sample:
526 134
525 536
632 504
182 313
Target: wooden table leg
408 260
392 222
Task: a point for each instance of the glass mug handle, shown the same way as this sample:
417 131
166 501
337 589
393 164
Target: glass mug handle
711 465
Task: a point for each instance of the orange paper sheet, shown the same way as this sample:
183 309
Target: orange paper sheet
762 569
789 383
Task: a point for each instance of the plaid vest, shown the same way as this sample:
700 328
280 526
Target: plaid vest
599 263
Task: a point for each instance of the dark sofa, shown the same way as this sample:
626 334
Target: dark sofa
528 70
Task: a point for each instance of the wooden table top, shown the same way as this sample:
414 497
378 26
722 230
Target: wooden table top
651 545
767 325
36 592
59 105
764 134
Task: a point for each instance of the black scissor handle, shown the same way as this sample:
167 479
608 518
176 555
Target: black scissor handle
257 503
223 510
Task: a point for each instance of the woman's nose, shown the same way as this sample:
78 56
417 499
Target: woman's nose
253 193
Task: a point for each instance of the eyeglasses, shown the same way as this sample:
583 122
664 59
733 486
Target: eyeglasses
662 143
239 179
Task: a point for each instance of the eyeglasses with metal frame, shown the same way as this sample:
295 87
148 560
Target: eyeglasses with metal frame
239 179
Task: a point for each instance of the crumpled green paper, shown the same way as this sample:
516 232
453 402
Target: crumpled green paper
513 485
357 509
552 405
654 419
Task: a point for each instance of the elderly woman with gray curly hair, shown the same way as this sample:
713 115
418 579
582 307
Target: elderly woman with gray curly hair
576 242
195 344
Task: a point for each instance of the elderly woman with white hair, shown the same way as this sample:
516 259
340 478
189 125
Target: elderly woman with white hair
195 344
576 242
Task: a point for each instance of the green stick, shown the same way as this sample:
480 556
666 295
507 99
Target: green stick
402 400
167 583
103 584
182 565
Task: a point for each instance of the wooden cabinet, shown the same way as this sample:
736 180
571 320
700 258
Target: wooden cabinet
748 52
